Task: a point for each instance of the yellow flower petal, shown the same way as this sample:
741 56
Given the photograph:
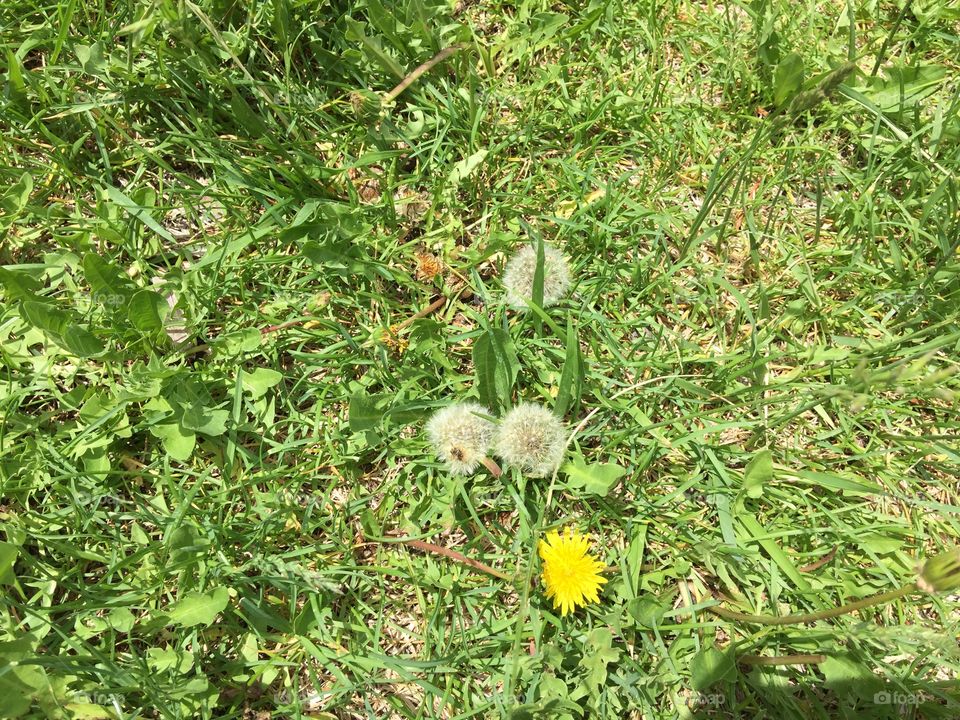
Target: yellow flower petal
571 575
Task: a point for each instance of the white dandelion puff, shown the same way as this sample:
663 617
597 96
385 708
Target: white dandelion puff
531 438
519 275
461 436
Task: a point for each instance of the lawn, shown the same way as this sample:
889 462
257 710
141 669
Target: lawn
249 250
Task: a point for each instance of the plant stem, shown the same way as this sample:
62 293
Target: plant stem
454 555
801 618
491 465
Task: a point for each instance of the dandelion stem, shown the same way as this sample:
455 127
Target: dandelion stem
801 618
491 465
432 307
420 70
454 555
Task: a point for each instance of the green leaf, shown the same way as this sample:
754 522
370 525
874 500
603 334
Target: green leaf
364 414
571 379
91 58
756 533
15 199
147 311
8 556
80 342
107 283
759 472
177 442
598 652
199 608
259 381
208 421
904 86
338 254
496 365
246 116
466 167
239 341
44 316
647 611
121 619
846 676
59 325
788 79
710 666
160 659
18 285
17 695
140 213
16 86
372 47
596 478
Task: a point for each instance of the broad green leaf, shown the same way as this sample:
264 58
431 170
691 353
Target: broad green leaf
364 414
904 86
496 366
544 25
759 472
199 608
598 652
121 619
647 611
259 381
788 79
596 478
710 666
337 254
44 316
239 341
8 556
18 285
17 695
107 283
246 116
160 659
466 167
177 441
15 198
91 58
845 676
80 341
59 325
147 311
208 421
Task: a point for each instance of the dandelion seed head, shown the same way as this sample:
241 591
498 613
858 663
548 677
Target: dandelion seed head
941 573
571 575
519 274
460 436
532 438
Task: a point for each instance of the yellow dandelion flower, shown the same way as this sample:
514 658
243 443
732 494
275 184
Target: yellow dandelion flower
570 573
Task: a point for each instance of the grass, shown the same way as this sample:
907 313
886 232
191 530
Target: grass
223 326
